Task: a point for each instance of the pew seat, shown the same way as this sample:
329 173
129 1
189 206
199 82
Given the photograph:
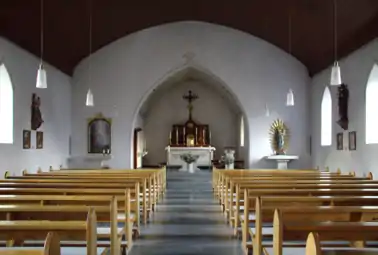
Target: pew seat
51 246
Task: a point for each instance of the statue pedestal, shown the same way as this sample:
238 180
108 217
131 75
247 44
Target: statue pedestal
282 160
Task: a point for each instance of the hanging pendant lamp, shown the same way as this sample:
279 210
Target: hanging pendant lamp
89 101
335 72
336 75
290 98
267 111
41 78
41 74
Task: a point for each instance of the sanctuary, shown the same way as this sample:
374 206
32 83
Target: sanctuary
190 140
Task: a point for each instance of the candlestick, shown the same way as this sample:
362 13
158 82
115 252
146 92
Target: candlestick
203 136
196 136
184 136
209 137
170 138
177 141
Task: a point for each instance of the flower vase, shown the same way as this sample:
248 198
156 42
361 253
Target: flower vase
191 168
229 166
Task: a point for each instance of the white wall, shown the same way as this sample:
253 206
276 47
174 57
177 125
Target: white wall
355 70
126 71
55 107
169 108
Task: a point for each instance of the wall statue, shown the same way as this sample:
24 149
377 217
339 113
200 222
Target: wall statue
343 98
36 115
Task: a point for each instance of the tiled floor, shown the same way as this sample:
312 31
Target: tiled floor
187 221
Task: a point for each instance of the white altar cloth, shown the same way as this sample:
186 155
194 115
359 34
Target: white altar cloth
282 160
205 156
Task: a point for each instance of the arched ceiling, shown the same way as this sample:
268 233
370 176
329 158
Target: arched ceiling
67 24
190 75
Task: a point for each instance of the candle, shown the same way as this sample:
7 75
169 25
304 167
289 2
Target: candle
170 138
184 142
177 141
209 137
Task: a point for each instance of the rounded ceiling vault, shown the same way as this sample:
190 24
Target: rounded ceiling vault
66 24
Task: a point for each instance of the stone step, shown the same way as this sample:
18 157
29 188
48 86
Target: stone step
189 201
187 208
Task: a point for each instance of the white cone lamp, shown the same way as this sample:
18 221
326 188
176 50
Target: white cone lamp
336 75
89 101
267 111
41 78
290 98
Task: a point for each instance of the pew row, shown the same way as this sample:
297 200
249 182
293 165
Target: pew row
51 246
303 217
21 231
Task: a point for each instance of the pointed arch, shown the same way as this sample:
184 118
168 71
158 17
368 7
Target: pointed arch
326 118
371 105
6 106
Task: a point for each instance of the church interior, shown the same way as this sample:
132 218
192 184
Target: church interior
188 127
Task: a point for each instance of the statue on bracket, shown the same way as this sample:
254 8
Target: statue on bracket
99 134
36 115
343 97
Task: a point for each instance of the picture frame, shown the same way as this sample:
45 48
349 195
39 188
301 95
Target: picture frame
339 141
99 134
39 139
26 139
352 140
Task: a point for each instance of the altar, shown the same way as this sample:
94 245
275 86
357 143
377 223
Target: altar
190 140
205 156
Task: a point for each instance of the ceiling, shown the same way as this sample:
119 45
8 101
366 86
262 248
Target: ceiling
66 24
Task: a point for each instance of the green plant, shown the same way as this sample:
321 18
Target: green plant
189 158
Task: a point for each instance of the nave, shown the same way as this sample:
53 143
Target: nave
187 221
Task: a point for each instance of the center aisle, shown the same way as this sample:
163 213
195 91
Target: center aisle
187 221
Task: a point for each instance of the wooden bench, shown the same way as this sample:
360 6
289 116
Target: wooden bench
300 215
73 185
314 247
67 230
79 200
105 213
149 199
51 247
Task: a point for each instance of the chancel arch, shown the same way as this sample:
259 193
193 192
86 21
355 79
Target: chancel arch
212 119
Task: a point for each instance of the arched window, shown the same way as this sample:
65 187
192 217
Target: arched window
242 131
372 106
6 106
326 118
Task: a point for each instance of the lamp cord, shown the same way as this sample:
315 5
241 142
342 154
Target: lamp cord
90 41
289 28
335 28
42 32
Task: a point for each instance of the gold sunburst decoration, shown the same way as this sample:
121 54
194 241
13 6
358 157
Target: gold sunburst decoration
279 137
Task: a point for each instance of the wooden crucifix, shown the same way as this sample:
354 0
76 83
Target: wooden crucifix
190 97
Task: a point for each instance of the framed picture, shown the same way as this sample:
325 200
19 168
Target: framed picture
26 137
99 134
352 141
339 141
39 139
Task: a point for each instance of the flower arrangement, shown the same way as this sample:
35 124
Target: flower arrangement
189 158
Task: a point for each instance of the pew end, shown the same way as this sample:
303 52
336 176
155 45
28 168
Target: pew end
313 244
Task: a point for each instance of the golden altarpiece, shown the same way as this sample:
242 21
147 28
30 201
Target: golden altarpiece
190 138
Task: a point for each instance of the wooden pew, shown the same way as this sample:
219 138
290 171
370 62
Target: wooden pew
234 195
149 199
105 213
67 230
314 247
73 185
303 216
79 200
51 247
